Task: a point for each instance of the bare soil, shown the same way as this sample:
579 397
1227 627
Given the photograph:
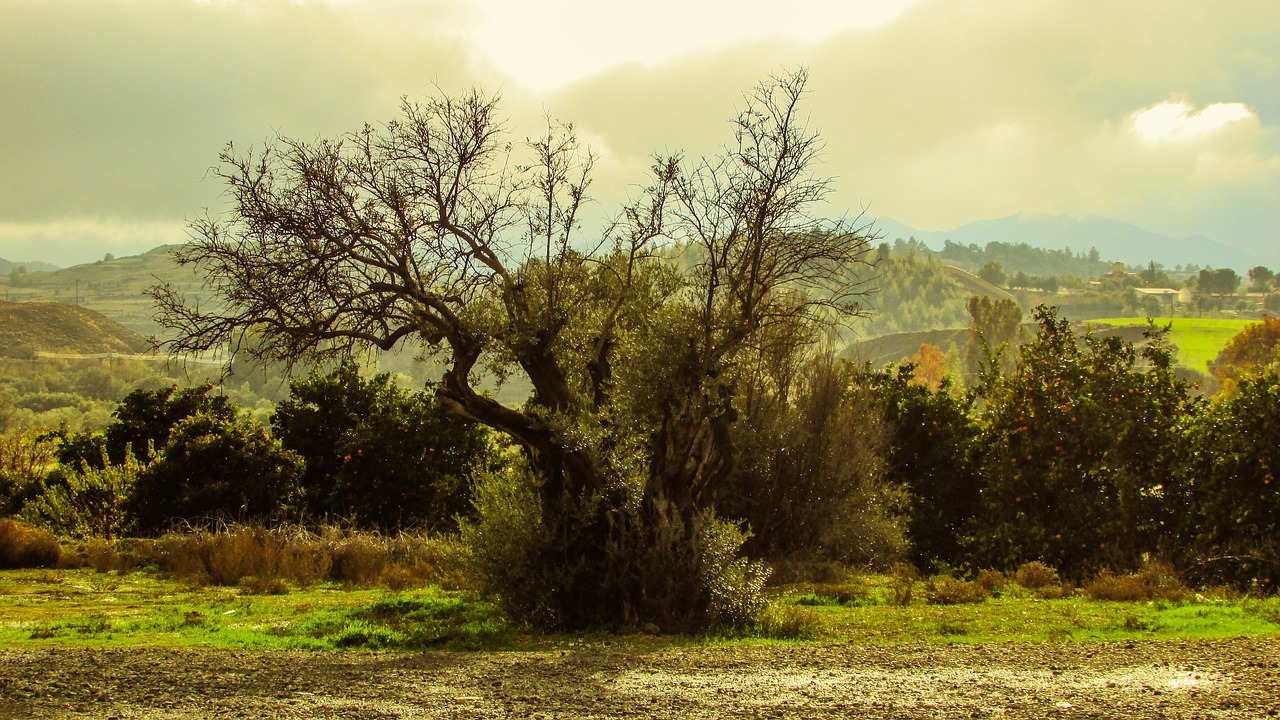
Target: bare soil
1217 679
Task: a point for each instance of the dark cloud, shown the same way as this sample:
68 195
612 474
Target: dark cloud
116 108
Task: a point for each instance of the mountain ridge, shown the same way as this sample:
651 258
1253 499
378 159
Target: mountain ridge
1116 241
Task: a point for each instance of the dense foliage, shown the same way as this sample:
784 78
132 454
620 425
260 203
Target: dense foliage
1077 454
810 479
376 454
931 436
215 467
1232 527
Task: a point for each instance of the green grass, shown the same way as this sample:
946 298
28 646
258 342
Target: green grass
1199 340
64 608
82 607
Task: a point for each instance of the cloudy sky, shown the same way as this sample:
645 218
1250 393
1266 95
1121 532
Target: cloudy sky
1165 114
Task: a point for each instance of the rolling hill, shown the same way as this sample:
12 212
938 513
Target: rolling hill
60 328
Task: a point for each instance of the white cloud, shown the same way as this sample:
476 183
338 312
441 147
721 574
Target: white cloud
1177 120
547 44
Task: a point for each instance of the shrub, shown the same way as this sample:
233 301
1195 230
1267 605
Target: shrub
1155 581
87 503
26 547
1035 575
930 436
522 559
950 591
214 467
1119 588
1232 527
358 560
144 419
810 480
377 455
993 581
1078 453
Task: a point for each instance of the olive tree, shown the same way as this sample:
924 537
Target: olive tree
437 228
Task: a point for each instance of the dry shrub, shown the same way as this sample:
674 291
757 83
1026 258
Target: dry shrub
950 591
228 555
257 559
1156 580
1036 575
902 578
359 559
22 546
993 581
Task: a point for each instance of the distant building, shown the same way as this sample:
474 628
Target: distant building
1163 294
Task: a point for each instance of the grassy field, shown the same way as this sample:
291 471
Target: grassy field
66 608
1199 340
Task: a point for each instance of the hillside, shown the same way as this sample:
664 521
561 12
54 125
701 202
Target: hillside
8 266
116 288
61 328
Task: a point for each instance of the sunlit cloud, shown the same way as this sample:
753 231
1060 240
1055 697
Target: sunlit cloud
1179 121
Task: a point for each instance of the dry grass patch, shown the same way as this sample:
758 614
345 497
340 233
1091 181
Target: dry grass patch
1156 581
22 546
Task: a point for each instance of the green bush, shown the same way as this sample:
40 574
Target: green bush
1232 526
377 455
214 467
86 503
931 436
1078 453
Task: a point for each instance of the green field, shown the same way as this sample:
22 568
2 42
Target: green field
70 608
1199 340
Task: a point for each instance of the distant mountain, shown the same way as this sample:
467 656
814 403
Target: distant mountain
61 328
1115 240
8 266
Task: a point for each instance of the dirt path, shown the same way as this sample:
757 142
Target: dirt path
1220 679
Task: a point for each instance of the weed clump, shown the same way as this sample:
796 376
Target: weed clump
1036 575
791 622
950 591
902 578
1156 581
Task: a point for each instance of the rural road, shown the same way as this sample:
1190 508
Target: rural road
1213 679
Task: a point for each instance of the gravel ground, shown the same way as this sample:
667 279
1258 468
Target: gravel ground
1218 679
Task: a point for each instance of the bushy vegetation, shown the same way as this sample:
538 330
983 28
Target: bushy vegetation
377 455
1076 454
